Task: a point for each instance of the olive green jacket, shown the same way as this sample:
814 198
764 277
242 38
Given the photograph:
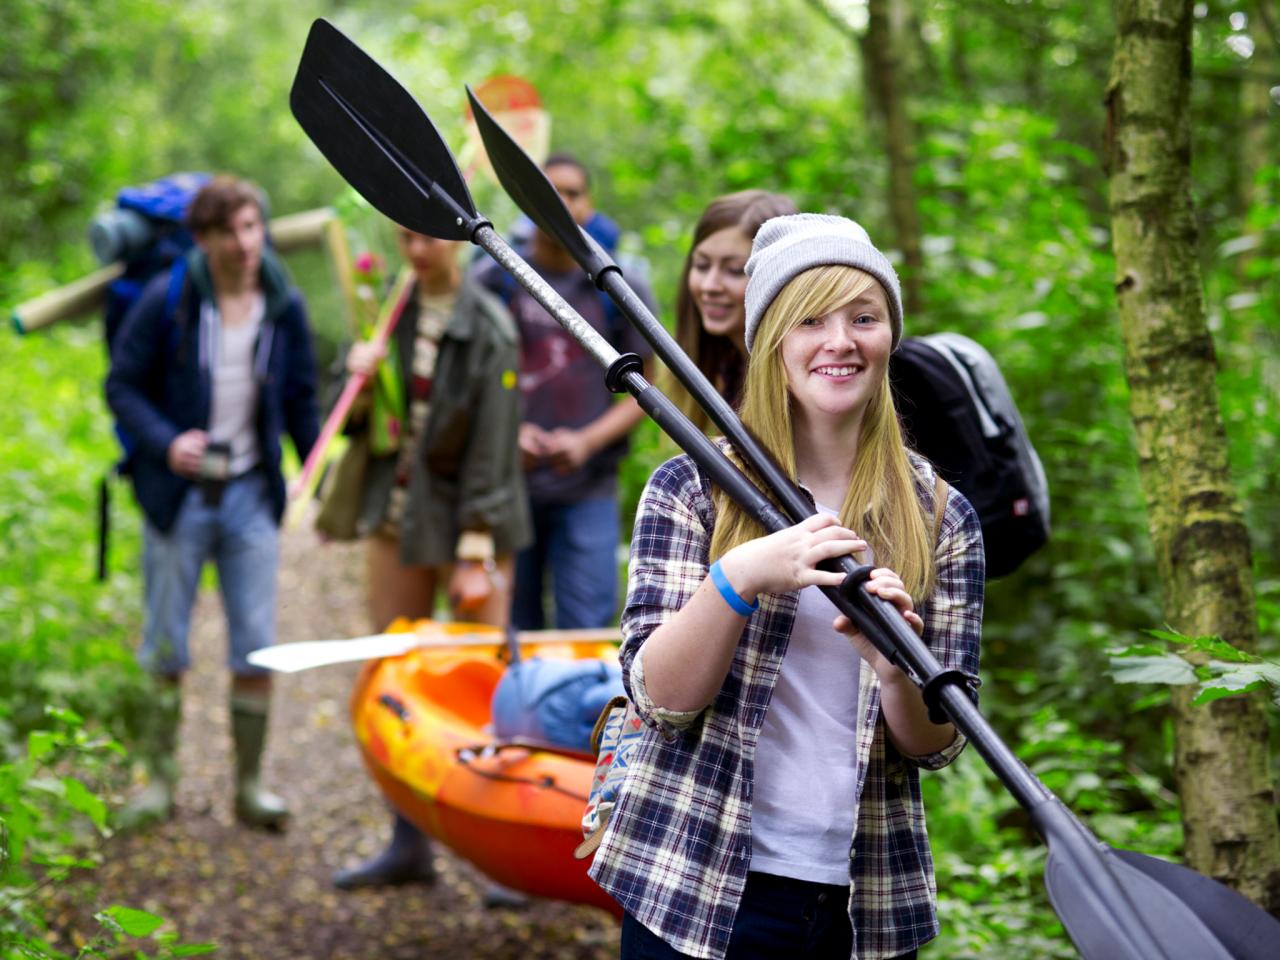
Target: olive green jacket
466 462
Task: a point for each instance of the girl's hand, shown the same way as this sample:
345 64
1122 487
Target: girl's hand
887 585
788 560
363 358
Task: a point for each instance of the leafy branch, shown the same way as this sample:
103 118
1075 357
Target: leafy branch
1220 669
125 923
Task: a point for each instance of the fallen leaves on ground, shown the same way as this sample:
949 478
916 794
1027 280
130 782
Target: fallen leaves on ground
266 896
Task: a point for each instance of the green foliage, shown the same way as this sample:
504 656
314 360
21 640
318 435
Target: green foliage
1019 261
1243 299
52 812
671 103
66 640
98 96
1220 669
68 683
123 925
46 815
989 861
990 901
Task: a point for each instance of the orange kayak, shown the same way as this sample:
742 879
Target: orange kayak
422 723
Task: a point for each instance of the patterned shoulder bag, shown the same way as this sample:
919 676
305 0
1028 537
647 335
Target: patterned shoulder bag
615 738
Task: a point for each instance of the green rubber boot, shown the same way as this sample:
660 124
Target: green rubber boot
157 745
255 806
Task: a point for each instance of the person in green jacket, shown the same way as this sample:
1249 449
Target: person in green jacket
447 508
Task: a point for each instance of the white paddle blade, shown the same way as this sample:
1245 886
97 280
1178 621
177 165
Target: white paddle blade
292 657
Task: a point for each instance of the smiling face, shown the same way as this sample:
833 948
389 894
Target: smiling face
718 282
834 363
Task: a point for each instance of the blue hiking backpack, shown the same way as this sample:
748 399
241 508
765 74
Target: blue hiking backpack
554 701
146 230
957 412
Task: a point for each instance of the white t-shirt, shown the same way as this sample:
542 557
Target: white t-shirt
235 389
806 762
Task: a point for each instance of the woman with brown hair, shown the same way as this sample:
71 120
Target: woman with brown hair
710 319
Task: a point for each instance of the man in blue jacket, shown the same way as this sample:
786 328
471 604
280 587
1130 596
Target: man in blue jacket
209 368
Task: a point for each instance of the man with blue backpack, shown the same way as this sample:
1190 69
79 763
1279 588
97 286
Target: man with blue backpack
209 367
574 431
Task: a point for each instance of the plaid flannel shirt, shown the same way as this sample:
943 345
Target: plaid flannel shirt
678 846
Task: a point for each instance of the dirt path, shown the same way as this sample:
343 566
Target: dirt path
268 897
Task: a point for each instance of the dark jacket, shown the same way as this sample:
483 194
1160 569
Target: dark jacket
159 382
466 464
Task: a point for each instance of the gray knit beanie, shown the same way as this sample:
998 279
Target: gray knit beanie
787 246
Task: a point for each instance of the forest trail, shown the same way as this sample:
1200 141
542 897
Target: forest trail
266 896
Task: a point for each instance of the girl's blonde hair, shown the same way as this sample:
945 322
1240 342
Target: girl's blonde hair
881 504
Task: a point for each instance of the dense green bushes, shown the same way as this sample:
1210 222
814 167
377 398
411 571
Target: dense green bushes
68 683
672 104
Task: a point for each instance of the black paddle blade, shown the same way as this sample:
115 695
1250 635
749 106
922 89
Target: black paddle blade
1137 917
533 193
1246 930
1117 903
378 137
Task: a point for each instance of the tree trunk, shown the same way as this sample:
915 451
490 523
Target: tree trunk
888 89
1196 524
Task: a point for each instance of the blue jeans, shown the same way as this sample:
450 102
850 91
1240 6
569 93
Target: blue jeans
241 537
576 543
778 917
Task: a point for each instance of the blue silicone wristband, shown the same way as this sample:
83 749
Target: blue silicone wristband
731 596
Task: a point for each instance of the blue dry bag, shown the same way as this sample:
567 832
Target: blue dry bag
554 701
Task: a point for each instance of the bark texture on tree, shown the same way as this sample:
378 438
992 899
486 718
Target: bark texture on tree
888 87
1194 517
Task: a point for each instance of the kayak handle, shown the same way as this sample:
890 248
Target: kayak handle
495 747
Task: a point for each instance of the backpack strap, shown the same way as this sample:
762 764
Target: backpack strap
613 319
506 288
940 491
172 297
